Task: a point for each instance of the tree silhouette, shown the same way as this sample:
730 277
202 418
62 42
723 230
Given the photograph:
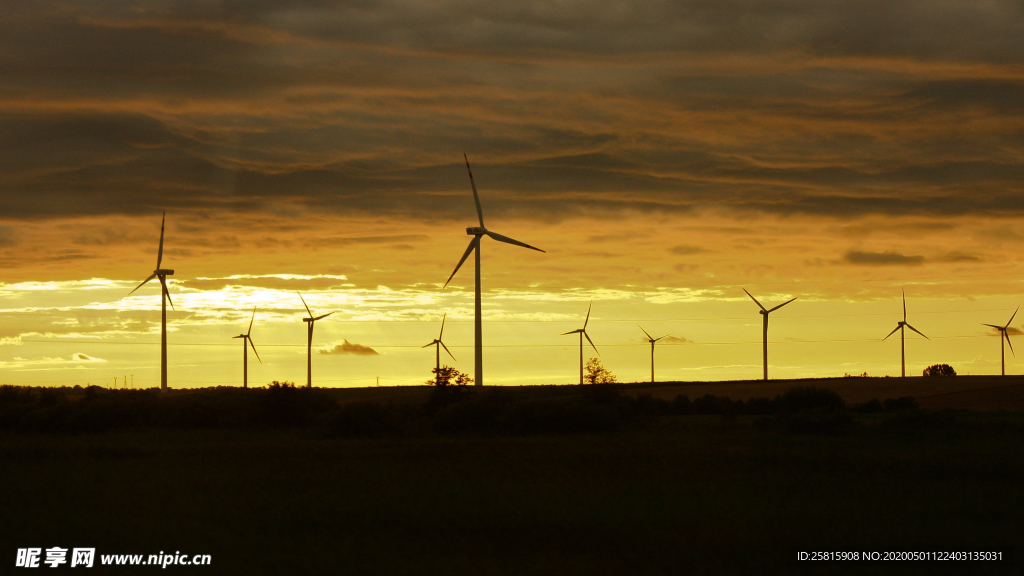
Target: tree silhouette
939 370
448 376
596 373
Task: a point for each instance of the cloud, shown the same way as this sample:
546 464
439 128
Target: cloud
684 250
888 258
80 357
956 256
350 348
676 339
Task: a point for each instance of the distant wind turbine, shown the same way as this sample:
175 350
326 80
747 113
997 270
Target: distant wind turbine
309 341
903 346
245 350
583 332
474 245
764 313
437 343
652 341
1004 334
165 297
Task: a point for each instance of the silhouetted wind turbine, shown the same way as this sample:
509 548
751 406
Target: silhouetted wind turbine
165 297
583 332
764 313
437 343
1003 334
474 245
309 341
245 350
903 347
652 341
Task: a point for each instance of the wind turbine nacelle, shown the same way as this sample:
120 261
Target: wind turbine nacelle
476 231
163 272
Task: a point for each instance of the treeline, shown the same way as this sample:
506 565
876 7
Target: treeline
448 410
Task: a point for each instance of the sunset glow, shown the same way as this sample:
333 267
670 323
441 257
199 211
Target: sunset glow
664 158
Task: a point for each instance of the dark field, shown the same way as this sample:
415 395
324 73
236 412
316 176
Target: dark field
664 494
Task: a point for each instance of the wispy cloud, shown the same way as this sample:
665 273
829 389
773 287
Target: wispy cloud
347 347
888 258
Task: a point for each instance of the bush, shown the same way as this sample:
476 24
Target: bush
448 376
939 370
871 406
809 398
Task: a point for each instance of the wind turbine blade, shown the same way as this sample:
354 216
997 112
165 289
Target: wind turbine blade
754 299
665 336
160 254
645 332
446 350
431 344
469 250
891 333
239 336
904 305
249 340
304 304
324 316
1007 335
588 315
166 293
591 342
916 330
780 306
577 331
143 283
1011 317
250 321
508 240
442 325
1000 328
476 197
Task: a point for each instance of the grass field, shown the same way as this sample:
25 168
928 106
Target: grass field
679 495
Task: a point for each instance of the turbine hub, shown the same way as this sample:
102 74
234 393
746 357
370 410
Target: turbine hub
476 231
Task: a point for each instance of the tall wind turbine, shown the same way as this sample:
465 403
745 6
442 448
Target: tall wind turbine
309 341
583 332
437 343
652 341
903 347
165 297
1003 334
245 350
764 312
478 232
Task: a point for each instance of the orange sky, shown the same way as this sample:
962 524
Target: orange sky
665 157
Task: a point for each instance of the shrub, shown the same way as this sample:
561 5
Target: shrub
871 406
900 404
448 376
809 398
939 370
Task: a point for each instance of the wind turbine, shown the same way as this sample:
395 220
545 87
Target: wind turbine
1003 334
652 341
477 232
245 350
764 313
165 297
438 344
903 347
583 332
309 341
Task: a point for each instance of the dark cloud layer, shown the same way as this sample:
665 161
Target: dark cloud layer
577 108
882 259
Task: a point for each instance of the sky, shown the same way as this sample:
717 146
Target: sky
665 155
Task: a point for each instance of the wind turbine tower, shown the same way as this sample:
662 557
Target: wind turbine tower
309 341
245 350
1004 334
583 332
903 346
437 343
165 298
478 232
764 312
652 341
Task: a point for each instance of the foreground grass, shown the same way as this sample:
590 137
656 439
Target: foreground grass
682 495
